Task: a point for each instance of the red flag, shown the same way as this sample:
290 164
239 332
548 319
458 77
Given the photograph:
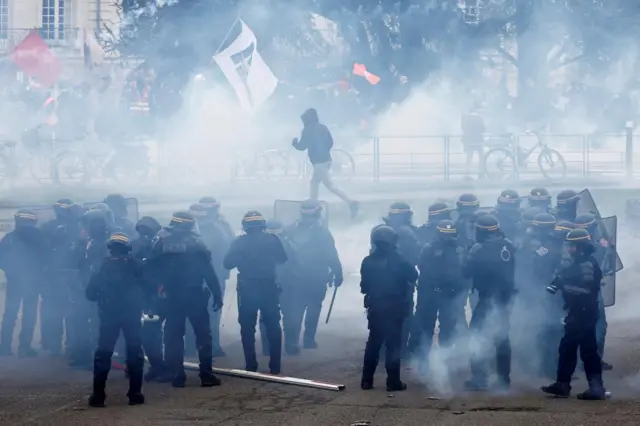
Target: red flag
35 59
361 71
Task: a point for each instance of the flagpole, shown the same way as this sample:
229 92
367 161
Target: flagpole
226 37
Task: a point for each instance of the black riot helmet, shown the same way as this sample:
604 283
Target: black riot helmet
383 238
529 214
567 204
544 223
274 226
211 206
508 200
400 213
439 211
76 211
148 227
578 242
310 211
118 205
108 213
182 221
25 218
540 197
487 226
586 221
253 221
198 211
447 230
95 223
562 228
62 208
467 204
119 243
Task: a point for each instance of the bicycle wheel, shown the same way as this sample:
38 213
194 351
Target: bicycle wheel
499 164
342 166
552 164
271 166
40 169
70 169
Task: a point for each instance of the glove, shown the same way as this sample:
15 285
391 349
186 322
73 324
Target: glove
294 142
338 280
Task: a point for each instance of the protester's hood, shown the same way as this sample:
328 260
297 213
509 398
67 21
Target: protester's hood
310 117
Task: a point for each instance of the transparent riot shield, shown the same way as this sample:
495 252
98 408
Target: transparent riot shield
611 262
288 211
43 212
133 212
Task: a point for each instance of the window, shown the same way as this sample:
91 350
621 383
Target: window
4 19
53 19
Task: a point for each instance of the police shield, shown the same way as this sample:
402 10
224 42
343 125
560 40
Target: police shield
288 211
133 213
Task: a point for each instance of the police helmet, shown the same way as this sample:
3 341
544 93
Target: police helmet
385 235
568 196
529 214
544 221
540 197
563 227
274 226
182 220
197 210
585 221
25 217
108 213
580 240
62 206
446 228
400 211
486 225
508 200
310 208
94 216
76 210
119 241
148 226
467 203
117 203
253 220
209 203
439 211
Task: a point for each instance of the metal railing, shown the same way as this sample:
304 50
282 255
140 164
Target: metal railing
54 36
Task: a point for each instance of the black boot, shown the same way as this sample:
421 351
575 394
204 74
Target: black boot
135 385
394 384
179 380
136 398
155 373
309 343
558 389
366 382
596 391
209 381
291 349
98 396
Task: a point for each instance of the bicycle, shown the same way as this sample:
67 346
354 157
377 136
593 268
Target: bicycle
13 166
509 165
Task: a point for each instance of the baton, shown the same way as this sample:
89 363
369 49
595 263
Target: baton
333 299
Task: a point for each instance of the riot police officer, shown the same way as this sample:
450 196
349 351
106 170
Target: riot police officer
490 265
181 258
567 205
23 258
579 283
589 222
318 266
256 255
525 226
466 206
540 198
400 219
508 213
119 206
428 232
147 228
119 287
217 239
440 287
387 282
212 208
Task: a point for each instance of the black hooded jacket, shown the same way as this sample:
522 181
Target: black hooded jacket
316 138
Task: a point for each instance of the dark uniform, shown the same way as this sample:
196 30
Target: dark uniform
466 207
290 285
217 238
508 213
579 282
318 265
120 288
387 281
490 265
540 198
181 258
23 258
567 205
212 207
155 309
256 255
428 232
440 288
62 234
118 205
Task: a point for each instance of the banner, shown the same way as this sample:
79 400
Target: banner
248 74
34 58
